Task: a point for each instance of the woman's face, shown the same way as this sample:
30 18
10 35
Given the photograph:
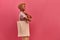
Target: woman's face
23 6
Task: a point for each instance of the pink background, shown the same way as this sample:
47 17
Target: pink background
45 23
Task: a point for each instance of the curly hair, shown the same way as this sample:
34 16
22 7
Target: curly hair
20 6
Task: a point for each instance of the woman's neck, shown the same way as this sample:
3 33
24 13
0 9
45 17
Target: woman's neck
22 11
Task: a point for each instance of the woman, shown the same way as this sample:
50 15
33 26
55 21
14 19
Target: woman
23 23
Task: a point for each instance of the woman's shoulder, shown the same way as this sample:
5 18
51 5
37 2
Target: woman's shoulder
21 12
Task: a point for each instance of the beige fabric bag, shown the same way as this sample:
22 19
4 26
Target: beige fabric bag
23 28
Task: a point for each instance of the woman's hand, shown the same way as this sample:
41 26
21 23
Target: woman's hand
28 17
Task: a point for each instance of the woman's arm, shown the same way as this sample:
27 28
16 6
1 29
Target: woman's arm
24 18
28 17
